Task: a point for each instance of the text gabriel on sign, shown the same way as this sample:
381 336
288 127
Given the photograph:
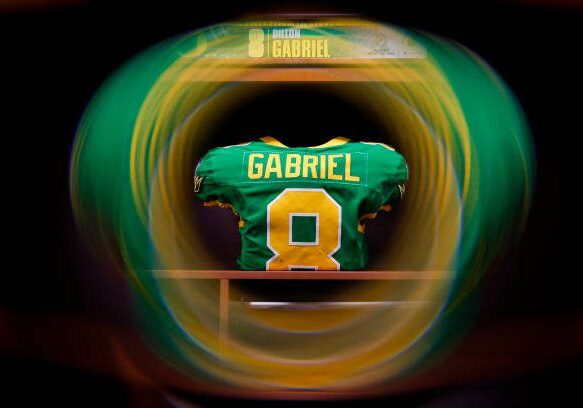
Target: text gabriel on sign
286 43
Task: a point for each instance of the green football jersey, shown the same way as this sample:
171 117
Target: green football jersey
302 207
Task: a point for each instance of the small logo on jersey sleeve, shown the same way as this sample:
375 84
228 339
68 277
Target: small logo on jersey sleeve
401 189
198 183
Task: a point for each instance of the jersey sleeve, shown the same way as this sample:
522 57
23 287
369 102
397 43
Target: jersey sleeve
207 184
390 178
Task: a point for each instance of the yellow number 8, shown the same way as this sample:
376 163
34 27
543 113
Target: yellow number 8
256 47
316 255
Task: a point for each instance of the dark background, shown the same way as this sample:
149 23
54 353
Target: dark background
55 56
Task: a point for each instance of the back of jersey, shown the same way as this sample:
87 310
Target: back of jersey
302 208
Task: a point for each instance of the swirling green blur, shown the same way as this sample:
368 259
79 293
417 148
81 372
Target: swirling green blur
456 122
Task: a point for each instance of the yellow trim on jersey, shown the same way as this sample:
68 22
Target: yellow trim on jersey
272 141
386 207
368 216
216 203
337 141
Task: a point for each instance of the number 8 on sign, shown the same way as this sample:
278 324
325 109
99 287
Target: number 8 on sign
256 45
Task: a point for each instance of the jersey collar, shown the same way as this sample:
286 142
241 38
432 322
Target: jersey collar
337 141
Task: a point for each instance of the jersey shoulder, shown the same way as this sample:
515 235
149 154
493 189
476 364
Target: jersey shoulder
222 163
387 175
218 171
380 151
385 161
